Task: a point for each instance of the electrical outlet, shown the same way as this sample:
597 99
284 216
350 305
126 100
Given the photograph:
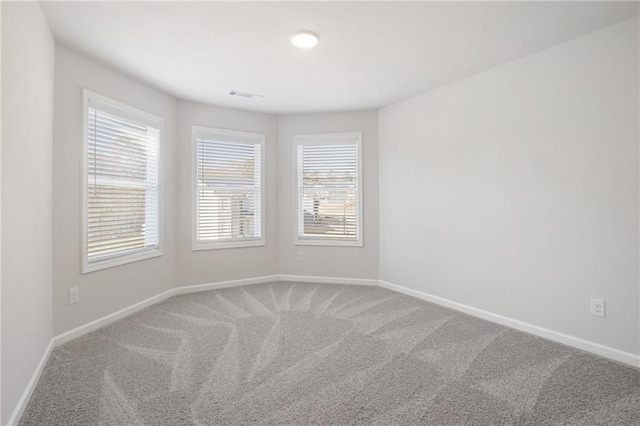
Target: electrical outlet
300 256
74 295
597 308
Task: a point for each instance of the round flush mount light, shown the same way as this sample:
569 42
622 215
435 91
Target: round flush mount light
304 39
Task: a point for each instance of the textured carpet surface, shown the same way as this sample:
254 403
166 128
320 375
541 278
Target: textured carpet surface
304 354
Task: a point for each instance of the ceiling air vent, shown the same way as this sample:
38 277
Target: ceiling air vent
245 95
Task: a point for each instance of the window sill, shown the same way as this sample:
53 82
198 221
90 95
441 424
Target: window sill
328 243
198 246
120 260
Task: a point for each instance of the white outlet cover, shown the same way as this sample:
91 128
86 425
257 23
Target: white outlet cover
74 295
598 308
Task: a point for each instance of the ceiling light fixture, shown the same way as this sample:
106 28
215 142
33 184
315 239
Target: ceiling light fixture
304 39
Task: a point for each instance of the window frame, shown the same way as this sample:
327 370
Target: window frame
249 138
328 139
136 115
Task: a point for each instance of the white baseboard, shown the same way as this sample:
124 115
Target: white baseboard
576 342
274 278
26 395
327 280
107 319
225 284
596 348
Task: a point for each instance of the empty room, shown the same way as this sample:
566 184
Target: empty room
320 213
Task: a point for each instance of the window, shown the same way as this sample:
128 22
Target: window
228 176
121 184
329 193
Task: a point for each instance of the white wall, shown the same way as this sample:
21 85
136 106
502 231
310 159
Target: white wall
516 190
210 266
343 262
27 117
510 190
105 291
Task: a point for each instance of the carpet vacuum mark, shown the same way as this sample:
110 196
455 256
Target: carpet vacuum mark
322 354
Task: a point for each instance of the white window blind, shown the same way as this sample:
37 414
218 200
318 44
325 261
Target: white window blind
329 190
228 189
122 189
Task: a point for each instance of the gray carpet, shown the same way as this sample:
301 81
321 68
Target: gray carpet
306 354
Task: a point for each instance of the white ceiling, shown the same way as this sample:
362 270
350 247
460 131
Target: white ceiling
369 55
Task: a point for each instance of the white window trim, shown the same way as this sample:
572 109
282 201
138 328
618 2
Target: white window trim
249 137
327 139
138 116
